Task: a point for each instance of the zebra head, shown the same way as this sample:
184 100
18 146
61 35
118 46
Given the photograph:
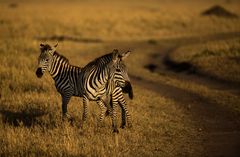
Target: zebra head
121 77
119 66
45 59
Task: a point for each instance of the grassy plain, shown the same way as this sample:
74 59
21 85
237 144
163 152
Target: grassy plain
167 110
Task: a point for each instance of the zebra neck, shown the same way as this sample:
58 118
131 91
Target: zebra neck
59 65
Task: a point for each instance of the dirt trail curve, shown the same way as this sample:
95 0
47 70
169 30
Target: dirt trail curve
219 126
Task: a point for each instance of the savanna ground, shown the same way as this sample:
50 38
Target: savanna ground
184 68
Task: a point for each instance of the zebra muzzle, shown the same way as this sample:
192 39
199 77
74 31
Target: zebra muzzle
39 73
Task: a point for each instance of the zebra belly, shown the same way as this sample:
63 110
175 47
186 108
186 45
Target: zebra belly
94 95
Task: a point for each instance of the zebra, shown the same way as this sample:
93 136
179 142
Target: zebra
95 86
71 81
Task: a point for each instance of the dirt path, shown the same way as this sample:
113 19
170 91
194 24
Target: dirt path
219 126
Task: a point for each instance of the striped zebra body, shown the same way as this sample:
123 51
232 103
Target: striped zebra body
102 80
65 76
94 82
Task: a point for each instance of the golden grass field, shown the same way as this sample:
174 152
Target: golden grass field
176 111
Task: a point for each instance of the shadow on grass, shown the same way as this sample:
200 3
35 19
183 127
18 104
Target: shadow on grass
161 59
179 67
162 65
69 38
13 5
185 41
26 118
191 69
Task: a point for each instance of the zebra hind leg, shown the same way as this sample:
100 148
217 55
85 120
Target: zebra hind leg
108 113
85 108
109 106
103 109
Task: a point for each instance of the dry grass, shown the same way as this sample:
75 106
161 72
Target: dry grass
220 59
30 122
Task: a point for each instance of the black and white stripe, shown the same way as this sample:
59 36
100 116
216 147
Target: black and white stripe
98 81
101 81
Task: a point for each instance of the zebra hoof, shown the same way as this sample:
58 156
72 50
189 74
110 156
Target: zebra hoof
84 118
67 118
64 118
123 126
130 125
115 130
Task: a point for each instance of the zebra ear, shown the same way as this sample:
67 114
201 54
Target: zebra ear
41 47
54 48
56 45
124 55
115 55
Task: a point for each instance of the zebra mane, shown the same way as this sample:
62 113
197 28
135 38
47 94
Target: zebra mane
105 59
66 60
63 57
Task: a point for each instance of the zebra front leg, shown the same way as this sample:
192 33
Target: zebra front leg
114 108
85 108
125 113
114 117
103 109
65 101
123 124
